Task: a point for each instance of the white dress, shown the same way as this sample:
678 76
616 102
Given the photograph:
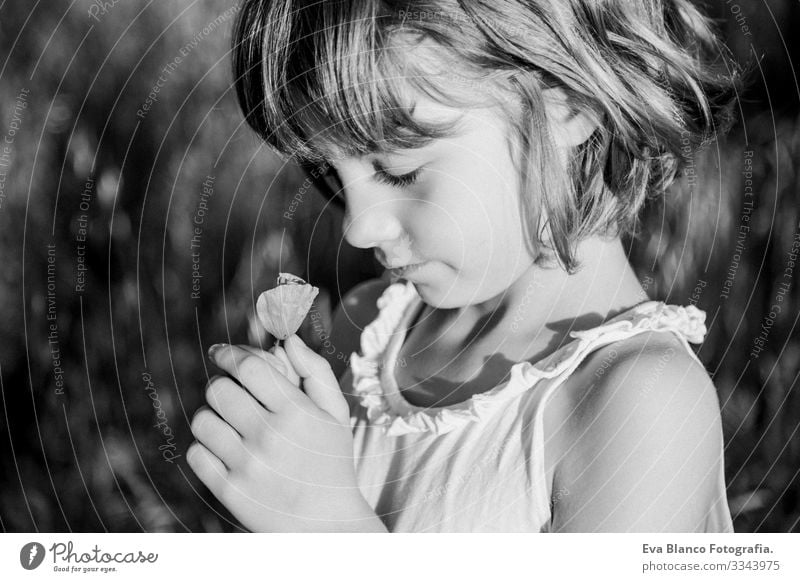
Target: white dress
479 465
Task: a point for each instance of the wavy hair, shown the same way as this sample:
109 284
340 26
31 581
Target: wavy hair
322 78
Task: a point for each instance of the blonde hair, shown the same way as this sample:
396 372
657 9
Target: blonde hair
317 77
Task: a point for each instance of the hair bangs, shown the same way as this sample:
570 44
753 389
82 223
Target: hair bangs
322 80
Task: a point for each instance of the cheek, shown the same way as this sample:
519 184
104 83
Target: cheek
499 253
437 218
506 251
458 230
497 208
469 215
477 237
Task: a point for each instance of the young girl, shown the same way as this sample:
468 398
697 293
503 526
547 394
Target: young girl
511 375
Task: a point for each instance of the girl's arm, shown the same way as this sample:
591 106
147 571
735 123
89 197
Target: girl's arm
642 450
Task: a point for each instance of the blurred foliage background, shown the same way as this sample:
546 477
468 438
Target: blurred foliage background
139 219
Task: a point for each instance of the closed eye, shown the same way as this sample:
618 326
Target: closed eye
397 180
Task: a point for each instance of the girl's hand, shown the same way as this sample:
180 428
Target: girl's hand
276 356
278 457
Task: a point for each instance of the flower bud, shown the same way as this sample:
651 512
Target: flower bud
283 308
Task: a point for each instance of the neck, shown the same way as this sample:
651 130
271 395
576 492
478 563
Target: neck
550 298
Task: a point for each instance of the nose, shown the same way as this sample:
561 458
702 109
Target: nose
371 217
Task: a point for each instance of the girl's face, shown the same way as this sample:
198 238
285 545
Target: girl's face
446 216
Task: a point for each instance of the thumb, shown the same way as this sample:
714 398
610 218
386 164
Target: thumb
319 382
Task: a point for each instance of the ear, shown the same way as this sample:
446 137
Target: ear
569 126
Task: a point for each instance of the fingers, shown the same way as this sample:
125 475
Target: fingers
319 382
269 356
291 373
218 437
235 406
208 468
276 356
258 375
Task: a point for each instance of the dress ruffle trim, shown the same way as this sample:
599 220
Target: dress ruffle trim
398 417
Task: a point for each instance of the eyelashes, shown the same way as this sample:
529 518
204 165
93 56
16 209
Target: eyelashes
329 182
398 181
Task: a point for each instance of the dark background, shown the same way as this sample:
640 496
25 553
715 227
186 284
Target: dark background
89 344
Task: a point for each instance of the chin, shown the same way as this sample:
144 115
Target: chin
433 295
448 297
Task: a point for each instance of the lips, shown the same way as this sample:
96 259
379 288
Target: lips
394 266
406 269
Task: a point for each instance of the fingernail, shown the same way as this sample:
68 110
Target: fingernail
191 452
214 349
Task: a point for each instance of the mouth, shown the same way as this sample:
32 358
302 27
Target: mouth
394 265
406 269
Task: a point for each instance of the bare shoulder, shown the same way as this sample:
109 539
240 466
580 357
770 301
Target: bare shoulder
357 309
636 439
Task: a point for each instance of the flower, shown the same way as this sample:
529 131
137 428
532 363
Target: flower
283 308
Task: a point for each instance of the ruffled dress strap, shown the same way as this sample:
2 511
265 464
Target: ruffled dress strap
377 390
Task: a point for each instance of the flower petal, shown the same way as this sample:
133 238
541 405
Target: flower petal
283 308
